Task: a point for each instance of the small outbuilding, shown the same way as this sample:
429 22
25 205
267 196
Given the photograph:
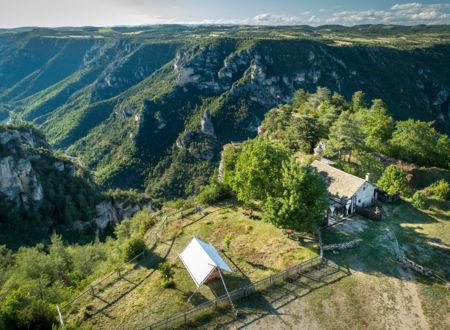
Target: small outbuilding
345 191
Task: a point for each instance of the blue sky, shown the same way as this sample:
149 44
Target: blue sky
53 13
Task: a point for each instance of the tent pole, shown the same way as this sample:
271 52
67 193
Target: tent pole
189 299
226 289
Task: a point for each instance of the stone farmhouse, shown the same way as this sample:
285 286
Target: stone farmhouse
345 191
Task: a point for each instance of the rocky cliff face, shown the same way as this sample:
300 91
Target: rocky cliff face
18 181
266 75
41 193
144 108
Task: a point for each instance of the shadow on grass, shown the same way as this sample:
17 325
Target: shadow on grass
232 281
271 301
150 262
378 251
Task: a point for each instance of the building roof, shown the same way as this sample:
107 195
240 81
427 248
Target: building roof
200 259
341 185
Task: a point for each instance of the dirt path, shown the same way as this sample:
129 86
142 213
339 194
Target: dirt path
420 320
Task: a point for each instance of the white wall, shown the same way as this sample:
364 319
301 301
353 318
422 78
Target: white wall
365 194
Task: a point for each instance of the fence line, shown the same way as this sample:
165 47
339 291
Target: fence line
150 243
263 284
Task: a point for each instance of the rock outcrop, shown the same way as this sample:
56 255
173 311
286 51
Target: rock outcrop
207 125
111 212
19 184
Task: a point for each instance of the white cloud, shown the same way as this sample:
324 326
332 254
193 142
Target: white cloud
406 14
275 19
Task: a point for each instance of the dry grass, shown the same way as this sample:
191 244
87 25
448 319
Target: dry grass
257 250
379 293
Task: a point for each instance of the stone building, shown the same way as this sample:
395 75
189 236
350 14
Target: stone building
345 191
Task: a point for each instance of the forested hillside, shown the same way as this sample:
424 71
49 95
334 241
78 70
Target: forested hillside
129 101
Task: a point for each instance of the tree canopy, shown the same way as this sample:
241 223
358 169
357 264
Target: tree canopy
257 170
301 200
393 181
292 196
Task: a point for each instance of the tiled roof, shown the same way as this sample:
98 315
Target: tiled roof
341 185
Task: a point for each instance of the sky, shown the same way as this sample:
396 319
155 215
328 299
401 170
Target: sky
54 13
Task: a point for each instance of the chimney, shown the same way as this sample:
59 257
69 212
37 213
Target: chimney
367 177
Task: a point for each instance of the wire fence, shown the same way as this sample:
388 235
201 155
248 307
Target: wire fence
245 291
148 246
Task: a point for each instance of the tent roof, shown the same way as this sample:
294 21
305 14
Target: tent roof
200 259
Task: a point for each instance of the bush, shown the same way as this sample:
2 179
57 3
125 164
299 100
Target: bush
393 181
145 226
133 247
419 200
441 189
228 240
214 192
166 274
37 315
167 283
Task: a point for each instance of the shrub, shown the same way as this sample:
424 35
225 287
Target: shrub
441 189
228 240
37 315
419 200
146 225
166 270
214 192
167 283
393 181
133 247
166 274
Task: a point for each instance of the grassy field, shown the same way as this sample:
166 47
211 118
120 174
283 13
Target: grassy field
257 250
367 286
371 290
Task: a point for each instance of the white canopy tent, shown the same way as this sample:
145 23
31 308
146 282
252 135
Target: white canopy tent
203 262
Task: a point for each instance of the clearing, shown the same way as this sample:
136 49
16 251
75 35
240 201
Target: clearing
372 290
137 299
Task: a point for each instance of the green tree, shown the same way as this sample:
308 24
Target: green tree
369 164
358 101
133 247
166 274
328 114
417 141
257 170
440 189
300 201
213 192
377 125
302 134
277 120
339 102
393 181
345 135
37 315
419 200
300 97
